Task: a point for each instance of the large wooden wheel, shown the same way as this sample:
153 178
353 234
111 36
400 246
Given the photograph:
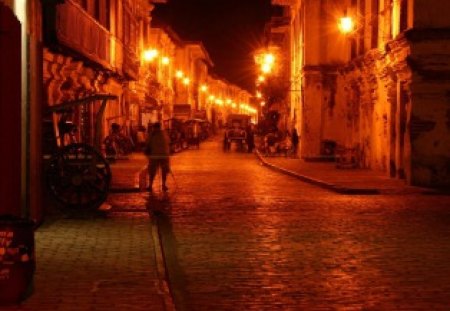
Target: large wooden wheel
79 176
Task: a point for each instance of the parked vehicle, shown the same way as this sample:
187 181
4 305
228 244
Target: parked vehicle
176 131
235 131
117 144
77 174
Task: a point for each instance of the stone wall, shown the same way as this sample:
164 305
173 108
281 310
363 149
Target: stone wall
394 106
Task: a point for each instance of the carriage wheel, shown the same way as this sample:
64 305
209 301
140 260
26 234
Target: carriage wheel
79 176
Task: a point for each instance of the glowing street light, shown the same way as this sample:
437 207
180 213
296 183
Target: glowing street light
258 94
346 25
150 55
269 59
261 78
203 88
186 81
179 74
165 60
211 97
266 68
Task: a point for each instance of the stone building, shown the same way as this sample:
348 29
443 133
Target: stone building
94 47
381 88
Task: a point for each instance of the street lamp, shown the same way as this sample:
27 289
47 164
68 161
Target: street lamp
346 24
179 74
150 54
165 60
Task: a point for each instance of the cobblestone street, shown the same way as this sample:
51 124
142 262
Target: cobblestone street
238 236
235 235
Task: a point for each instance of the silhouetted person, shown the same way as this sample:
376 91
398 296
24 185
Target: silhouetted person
250 138
157 149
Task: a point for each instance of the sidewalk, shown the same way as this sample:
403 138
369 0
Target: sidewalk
346 181
95 264
110 260
128 174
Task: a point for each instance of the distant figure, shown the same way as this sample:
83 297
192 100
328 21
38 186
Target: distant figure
295 140
157 149
250 138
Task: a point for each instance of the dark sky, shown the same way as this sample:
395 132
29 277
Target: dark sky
231 30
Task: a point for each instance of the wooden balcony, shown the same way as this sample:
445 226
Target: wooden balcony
79 31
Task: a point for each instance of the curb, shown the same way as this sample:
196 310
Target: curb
164 283
318 182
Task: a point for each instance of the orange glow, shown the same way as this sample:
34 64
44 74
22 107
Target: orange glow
346 24
203 88
261 79
186 81
211 97
150 55
266 68
269 59
179 74
165 60
263 104
258 95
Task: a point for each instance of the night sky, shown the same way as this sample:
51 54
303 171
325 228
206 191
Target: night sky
231 30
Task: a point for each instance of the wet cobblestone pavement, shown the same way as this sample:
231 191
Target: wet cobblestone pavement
238 236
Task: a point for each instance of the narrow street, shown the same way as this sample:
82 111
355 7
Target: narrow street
237 236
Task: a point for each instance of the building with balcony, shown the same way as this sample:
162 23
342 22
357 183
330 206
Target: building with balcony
94 47
380 86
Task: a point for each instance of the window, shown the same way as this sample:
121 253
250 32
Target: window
403 15
361 31
107 23
374 22
97 9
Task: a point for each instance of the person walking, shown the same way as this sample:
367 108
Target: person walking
295 140
250 138
157 149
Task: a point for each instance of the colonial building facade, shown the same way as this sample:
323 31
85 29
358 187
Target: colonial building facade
381 88
59 52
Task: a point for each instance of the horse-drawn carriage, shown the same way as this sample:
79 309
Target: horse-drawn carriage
78 174
236 131
176 131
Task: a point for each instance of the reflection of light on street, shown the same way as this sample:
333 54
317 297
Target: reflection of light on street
272 255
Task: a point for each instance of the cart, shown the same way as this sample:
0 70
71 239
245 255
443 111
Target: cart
235 131
78 175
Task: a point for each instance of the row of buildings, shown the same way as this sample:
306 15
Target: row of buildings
373 75
58 57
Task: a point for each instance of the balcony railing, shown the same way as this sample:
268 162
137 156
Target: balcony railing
285 2
76 29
